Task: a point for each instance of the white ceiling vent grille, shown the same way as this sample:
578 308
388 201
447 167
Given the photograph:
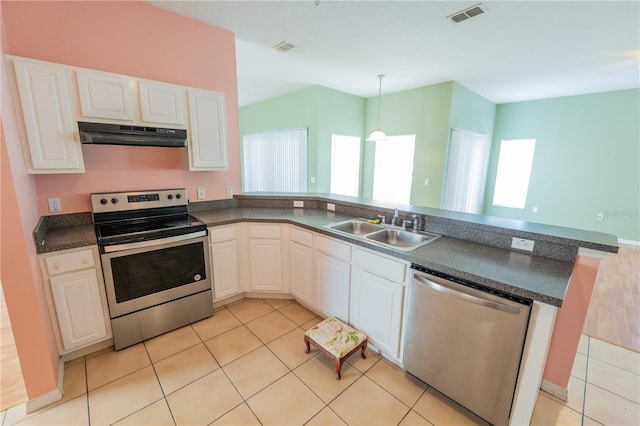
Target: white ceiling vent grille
463 15
284 46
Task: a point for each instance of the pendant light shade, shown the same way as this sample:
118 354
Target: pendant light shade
378 134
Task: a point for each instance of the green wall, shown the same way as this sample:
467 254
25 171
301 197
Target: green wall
322 110
424 112
471 112
587 156
586 161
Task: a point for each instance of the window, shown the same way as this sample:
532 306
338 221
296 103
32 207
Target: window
393 171
514 171
345 165
275 161
466 172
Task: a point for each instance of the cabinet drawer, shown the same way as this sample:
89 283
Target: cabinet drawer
217 235
264 231
333 248
301 237
69 262
382 266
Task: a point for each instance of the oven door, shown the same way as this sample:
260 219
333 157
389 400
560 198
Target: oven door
145 274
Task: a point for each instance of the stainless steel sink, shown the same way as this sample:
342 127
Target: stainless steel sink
401 239
383 235
356 227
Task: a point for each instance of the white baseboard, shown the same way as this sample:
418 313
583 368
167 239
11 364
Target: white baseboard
555 390
629 242
50 397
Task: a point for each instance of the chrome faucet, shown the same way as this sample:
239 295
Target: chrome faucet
395 217
405 223
416 223
383 219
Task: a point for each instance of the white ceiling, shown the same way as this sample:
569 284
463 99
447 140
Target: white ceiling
518 50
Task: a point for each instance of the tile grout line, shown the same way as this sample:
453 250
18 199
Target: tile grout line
586 377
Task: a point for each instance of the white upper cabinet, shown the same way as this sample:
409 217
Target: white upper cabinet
104 95
50 98
50 142
207 134
162 103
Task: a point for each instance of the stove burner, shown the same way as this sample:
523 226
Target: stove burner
126 217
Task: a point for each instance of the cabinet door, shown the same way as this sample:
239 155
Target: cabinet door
105 95
376 309
301 272
208 141
332 286
265 257
162 103
48 120
76 297
224 257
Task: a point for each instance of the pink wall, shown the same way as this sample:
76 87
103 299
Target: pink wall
137 39
130 38
570 320
20 274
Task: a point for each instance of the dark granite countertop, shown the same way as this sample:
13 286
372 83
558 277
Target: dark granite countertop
475 250
534 277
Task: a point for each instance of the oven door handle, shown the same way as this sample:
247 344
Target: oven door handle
151 243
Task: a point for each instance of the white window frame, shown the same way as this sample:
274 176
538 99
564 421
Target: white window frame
515 163
393 175
345 164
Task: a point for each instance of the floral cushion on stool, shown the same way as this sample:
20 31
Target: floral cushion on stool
337 340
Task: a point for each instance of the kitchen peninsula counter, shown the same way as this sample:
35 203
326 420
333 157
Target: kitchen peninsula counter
467 250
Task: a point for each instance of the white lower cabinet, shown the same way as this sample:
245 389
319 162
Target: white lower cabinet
301 265
378 287
224 261
332 277
265 258
76 298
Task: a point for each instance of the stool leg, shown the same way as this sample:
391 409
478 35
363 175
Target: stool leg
364 347
306 341
338 363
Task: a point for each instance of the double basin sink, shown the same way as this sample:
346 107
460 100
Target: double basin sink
383 235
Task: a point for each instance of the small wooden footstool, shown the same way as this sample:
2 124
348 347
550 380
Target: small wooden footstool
336 340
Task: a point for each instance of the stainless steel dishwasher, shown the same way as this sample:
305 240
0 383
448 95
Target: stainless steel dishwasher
466 341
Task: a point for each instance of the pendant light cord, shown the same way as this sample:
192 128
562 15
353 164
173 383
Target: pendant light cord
380 76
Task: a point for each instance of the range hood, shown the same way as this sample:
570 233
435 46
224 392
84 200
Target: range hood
118 134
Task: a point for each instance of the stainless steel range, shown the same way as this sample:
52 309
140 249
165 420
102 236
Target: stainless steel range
154 260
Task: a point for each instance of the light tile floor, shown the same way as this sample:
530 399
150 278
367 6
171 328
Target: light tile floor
246 365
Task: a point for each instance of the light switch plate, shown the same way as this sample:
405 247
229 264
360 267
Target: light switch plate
229 192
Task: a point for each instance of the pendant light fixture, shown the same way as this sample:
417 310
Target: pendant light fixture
378 134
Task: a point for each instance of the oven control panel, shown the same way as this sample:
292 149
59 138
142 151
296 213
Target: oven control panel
125 201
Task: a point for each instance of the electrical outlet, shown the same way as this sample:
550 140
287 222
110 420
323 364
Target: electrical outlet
331 207
54 205
522 244
298 204
426 182
201 194
599 216
229 191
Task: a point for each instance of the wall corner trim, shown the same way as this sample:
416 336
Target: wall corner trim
555 390
34 404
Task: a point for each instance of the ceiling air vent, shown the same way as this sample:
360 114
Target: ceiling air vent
285 46
463 15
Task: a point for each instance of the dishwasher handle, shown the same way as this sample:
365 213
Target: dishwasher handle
443 288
